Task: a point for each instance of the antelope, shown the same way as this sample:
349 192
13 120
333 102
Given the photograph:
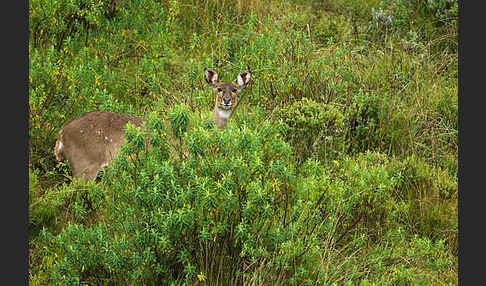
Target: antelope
90 141
226 94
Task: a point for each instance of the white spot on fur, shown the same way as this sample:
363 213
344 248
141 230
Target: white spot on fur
224 113
108 139
59 147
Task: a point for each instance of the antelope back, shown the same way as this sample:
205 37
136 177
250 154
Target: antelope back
90 141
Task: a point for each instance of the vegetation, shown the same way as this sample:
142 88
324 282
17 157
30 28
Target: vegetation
339 166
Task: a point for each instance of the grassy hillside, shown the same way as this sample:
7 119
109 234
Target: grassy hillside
339 166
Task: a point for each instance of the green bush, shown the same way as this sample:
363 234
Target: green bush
84 261
313 129
236 203
425 199
364 115
236 192
226 187
55 21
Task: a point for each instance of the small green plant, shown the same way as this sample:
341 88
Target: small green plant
364 119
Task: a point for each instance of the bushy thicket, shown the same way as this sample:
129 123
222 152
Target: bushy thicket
338 166
234 209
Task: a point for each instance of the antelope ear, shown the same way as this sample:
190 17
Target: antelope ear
243 79
210 76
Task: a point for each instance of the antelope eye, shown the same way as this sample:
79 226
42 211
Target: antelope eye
235 90
220 89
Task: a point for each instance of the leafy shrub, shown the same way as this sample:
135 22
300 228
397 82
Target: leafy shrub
53 207
428 193
234 203
236 192
166 212
359 188
81 262
364 120
313 129
56 21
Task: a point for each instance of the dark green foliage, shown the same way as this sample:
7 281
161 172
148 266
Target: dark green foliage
179 120
364 120
221 194
237 192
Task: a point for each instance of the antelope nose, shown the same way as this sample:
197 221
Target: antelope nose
226 100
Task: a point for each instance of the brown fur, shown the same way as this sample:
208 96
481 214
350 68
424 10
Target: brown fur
91 140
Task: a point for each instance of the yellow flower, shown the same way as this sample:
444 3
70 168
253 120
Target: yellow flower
201 276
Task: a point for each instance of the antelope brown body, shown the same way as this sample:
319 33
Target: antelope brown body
90 141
